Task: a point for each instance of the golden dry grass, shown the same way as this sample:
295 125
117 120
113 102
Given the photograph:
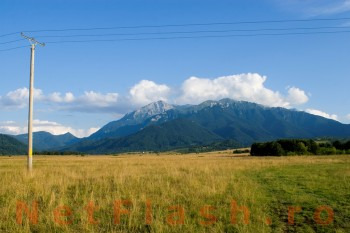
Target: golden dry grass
266 186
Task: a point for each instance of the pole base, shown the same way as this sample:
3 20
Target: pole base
30 163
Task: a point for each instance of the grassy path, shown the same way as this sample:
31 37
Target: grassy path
308 186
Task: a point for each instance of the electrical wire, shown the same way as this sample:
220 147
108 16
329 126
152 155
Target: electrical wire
25 46
180 25
12 41
189 32
192 37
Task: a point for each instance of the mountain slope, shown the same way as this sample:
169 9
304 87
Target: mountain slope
249 122
131 122
11 146
170 135
241 121
46 141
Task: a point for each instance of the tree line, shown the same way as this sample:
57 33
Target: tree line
58 153
286 147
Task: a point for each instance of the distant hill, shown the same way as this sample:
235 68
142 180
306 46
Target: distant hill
47 141
11 146
177 133
153 127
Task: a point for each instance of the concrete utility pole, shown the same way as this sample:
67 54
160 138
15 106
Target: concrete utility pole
33 43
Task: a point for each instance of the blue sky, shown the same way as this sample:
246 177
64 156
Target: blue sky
82 86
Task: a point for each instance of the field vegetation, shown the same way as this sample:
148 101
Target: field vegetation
209 192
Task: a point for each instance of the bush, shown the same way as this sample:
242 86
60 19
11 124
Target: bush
268 148
341 145
327 151
241 151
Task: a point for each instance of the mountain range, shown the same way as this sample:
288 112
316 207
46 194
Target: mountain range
161 126
46 141
11 146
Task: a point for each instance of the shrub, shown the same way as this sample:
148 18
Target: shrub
327 151
268 148
341 145
241 151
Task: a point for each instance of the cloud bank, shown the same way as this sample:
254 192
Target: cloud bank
89 101
19 98
249 87
13 128
322 114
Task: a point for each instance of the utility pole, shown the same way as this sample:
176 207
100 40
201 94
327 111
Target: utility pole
33 43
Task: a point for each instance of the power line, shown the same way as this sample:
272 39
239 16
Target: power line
186 37
189 32
193 37
180 25
179 32
25 46
10 34
12 41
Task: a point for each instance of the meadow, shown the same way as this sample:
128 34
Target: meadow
209 192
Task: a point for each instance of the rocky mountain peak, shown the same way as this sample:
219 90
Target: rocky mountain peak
152 109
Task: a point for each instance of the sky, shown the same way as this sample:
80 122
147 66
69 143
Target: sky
79 87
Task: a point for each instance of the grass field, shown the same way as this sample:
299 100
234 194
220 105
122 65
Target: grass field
177 193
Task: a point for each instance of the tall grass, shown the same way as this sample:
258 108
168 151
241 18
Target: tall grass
265 186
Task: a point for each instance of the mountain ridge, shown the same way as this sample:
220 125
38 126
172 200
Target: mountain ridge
131 119
242 121
46 141
174 134
11 146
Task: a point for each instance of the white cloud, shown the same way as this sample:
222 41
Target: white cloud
296 96
19 98
57 129
96 99
348 117
10 127
147 91
68 97
12 130
322 114
7 122
58 98
54 128
88 132
248 87
89 101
